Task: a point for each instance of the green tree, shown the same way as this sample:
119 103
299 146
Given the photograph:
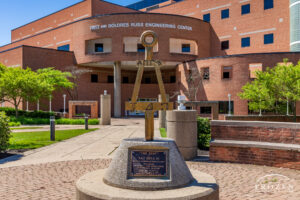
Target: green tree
4 132
18 85
278 84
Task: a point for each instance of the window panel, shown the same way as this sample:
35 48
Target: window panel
269 38
245 9
140 48
268 4
64 48
206 17
94 78
246 42
99 47
186 48
225 14
225 45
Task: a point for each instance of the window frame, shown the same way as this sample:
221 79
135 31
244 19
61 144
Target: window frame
245 12
243 40
225 14
206 15
268 4
271 39
223 48
95 48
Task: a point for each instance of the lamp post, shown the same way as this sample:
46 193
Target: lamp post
50 103
229 104
38 105
64 96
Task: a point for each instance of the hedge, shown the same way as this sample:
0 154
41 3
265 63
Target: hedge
23 113
45 121
4 132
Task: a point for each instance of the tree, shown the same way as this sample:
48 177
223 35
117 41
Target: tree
276 85
18 85
4 132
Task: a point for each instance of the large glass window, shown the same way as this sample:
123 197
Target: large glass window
99 47
245 9
186 48
110 79
246 42
225 14
269 38
64 47
224 107
206 17
268 4
205 110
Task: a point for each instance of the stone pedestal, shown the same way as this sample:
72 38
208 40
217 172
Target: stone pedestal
147 170
162 114
105 109
182 127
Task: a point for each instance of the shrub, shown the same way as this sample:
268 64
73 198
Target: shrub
45 121
204 136
14 124
23 113
4 132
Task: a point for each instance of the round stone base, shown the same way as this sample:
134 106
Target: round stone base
92 187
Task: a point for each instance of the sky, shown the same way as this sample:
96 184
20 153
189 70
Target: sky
15 13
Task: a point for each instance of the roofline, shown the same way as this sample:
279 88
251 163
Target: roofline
97 16
34 47
119 5
49 15
242 55
170 4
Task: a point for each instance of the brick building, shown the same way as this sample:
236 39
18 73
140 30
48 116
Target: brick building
223 40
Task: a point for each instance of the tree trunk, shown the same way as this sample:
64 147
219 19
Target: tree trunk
17 111
295 111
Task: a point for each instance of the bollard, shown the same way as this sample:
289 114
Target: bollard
86 122
52 128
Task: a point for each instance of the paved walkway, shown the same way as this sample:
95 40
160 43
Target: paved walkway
94 145
51 172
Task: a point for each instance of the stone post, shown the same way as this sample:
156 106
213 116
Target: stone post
162 114
182 127
105 109
117 89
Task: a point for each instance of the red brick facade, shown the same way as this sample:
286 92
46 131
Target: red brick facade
73 26
256 143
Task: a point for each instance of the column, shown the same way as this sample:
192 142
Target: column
117 89
162 114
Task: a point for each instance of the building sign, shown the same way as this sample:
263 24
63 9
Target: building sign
141 24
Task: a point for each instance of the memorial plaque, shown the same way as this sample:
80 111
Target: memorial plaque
149 163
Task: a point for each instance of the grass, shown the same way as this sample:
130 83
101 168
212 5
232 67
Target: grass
33 140
163 132
24 128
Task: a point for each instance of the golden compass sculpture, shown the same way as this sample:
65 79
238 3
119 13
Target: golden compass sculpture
148 107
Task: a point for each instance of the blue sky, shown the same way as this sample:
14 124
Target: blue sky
15 13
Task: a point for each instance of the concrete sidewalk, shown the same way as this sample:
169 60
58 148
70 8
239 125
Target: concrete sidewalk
94 145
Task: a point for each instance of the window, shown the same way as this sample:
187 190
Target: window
227 72
186 48
110 79
245 9
225 45
269 38
94 78
206 17
205 110
268 4
140 48
225 14
147 80
246 42
224 107
206 73
125 79
64 48
99 47
172 79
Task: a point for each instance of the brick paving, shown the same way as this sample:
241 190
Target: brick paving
55 181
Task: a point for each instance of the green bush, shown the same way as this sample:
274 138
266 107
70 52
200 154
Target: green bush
204 136
14 124
45 121
23 113
4 132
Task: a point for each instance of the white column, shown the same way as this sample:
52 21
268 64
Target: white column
27 106
64 96
38 105
117 89
50 103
